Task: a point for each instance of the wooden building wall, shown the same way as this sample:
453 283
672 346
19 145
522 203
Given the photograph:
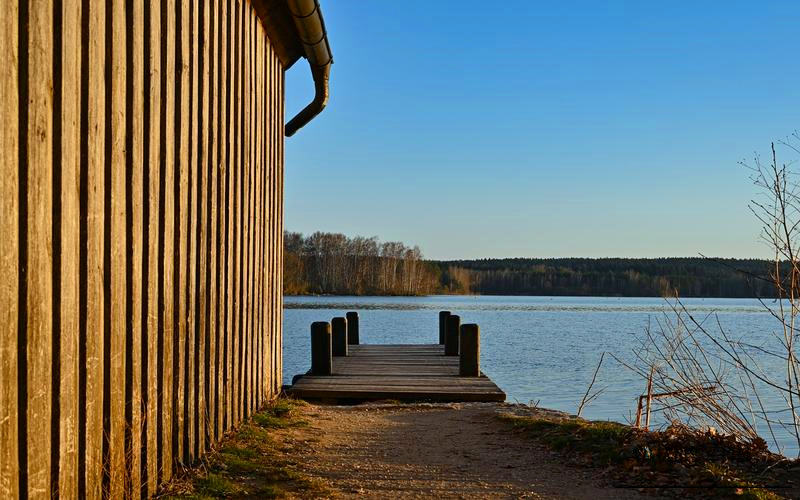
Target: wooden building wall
141 148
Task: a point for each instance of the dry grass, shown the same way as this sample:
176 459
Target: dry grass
678 460
251 462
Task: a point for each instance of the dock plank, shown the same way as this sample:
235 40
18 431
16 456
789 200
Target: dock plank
397 371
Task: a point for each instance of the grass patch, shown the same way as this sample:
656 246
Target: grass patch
251 462
702 463
215 485
601 439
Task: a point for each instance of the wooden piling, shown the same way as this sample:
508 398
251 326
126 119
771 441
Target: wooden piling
339 336
469 361
352 328
321 361
451 335
443 325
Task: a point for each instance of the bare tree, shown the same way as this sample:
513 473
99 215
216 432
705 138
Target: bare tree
701 374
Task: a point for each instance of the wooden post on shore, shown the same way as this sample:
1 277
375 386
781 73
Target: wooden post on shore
339 336
352 328
469 361
443 325
451 335
321 361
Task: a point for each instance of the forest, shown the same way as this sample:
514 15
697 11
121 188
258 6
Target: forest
332 263
335 264
686 276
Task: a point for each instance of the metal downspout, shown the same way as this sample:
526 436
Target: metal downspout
311 28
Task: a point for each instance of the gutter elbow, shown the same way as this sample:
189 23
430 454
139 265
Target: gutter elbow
311 28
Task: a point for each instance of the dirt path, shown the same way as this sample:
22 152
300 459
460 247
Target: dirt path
443 451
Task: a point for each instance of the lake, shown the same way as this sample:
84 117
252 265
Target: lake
539 350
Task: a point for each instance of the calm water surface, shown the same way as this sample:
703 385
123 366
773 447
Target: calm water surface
537 349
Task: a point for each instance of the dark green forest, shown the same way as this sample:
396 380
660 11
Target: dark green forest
688 276
331 263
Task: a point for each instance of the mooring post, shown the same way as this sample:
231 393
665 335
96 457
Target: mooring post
339 336
321 361
352 328
469 360
451 335
443 325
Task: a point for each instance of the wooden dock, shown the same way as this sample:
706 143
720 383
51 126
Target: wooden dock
418 372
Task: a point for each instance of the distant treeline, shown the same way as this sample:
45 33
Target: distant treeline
691 277
332 263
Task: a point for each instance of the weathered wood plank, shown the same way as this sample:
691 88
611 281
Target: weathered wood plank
183 57
257 165
220 220
267 214
230 152
152 199
93 195
236 164
277 189
169 198
9 260
258 264
248 214
203 205
191 421
68 330
411 394
38 265
136 227
211 233
115 329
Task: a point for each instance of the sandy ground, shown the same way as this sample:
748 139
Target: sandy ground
435 451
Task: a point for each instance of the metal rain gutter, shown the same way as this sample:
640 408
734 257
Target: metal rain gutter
311 28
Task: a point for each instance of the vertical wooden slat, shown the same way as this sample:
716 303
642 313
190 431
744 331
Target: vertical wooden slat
278 189
167 237
114 355
262 216
152 231
256 203
230 154
211 210
38 267
222 295
256 131
183 127
271 155
190 422
275 286
269 217
237 208
9 224
248 209
94 195
202 268
259 220
219 156
267 220
135 230
248 214
70 248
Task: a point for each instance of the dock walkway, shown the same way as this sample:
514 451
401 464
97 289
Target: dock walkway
402 372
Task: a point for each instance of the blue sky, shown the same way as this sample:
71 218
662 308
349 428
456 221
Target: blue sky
545 129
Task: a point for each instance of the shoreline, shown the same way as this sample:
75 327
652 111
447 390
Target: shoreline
487 450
